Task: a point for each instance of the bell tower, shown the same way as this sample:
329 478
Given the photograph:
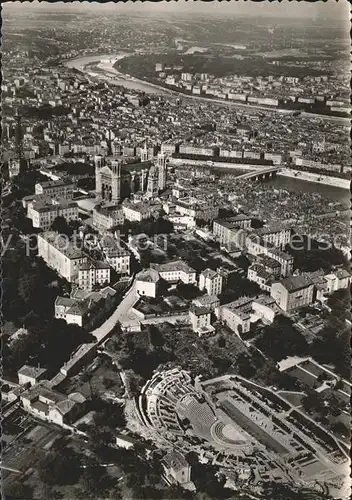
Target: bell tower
98 162
144 153
162 171
115 181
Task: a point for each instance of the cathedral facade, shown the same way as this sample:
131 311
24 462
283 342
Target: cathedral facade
118 178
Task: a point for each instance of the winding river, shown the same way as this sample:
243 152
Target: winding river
108 73
101 66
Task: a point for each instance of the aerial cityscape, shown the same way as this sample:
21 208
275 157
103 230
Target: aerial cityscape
176 250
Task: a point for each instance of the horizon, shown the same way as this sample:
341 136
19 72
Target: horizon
300 9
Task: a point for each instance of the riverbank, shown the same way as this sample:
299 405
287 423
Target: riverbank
242 167
316 178
132 83
102 67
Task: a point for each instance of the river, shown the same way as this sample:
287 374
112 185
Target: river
117 78
335 193
300 185
107 62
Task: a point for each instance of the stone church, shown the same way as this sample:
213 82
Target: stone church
117 178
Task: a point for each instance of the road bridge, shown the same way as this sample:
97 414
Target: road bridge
265 173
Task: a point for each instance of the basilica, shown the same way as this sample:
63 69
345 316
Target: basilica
118 178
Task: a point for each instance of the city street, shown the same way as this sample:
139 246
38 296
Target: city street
127 302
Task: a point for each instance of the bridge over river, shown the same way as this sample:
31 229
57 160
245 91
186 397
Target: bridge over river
266 173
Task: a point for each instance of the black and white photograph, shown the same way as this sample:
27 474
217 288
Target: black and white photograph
175 250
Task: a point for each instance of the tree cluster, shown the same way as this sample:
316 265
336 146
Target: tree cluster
49 342
281 339
28 286
314 256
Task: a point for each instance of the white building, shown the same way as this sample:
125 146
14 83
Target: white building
52 406
30 375
338 280
107 216
56 189
147 283
139 211
91 274
176 270
200 318
211 302
239 315
119 260
43 211
293 292
176 468
60 254
197 208
258 274
210 281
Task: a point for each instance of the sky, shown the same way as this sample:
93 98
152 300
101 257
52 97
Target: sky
331 9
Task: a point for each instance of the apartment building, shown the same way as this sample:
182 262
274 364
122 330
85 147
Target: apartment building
270 265
277 236
256 245
43 211
236 315
293 292
258 274
107 216
239 315
119 259
227 232
85 308
196 208
139 211
176 270
200 318
56 189
60 254
211 302
91 274
211 281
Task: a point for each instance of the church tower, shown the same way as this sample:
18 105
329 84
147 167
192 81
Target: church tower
98 162
115 181
162 171
152 187
144 153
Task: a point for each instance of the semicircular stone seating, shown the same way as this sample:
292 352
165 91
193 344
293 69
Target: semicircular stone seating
226 434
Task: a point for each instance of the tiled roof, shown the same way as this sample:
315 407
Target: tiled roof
31 371
293 283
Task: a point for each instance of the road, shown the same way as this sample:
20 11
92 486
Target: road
120 312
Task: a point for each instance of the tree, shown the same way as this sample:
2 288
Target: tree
279 491
281 339
340 428
313 402
61 226
100 436
60 468
110 415
339 384
156 336
87 378
18 490
95 480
